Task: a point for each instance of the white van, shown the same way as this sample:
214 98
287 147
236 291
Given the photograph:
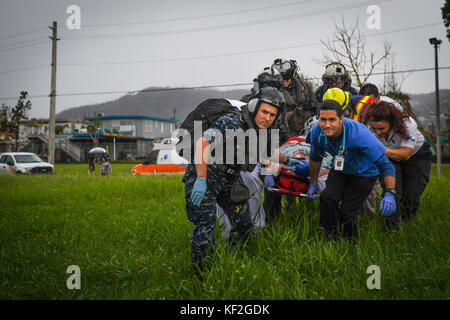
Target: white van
23 162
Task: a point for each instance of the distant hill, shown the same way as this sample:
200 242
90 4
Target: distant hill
425 104
157 103
162 103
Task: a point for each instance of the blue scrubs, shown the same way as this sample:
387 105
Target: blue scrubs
364 154
347 189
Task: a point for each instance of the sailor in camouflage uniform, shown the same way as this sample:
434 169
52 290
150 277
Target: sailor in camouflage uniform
207 185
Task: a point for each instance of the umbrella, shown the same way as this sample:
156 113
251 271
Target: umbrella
97 150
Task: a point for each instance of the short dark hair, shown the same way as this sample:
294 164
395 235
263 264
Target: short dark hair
331 105
368 89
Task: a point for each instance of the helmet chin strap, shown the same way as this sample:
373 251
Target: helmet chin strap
245 117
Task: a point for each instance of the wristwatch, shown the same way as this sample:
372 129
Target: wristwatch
391 190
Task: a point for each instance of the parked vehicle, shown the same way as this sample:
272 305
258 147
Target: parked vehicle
23 162
163 159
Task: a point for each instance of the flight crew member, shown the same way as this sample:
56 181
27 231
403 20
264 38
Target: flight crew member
270 77
358 159
408 151
209 184
335 76
301 103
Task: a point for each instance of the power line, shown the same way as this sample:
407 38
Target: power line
30 96
22 42
389 72
404 71
197 87
22 33
237 53
24 46
210 28
210 56
24 69
202 57
130 91
404 29
198 17
191 58
155 90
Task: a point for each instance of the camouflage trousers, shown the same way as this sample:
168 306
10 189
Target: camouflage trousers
204 216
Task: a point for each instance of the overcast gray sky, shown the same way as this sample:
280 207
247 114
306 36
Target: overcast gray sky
135 44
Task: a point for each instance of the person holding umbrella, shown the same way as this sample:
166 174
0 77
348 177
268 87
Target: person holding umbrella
106 167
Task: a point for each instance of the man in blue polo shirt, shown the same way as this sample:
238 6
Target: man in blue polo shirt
358 158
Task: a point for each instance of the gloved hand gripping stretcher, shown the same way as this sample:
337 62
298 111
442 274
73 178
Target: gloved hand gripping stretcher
294 178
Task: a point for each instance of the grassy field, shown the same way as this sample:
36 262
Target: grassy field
131 239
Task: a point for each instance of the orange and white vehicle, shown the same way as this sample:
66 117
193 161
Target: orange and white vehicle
163 159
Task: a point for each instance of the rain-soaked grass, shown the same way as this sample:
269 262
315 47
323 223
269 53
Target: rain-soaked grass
131 240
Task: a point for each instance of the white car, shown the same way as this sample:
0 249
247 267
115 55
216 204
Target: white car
23 162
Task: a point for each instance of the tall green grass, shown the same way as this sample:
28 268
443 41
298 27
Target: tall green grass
131 239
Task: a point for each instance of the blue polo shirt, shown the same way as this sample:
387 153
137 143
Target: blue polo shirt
364 154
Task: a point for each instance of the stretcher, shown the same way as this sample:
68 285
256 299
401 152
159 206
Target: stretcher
287 192
287 182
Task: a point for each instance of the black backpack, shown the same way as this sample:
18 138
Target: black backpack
207 112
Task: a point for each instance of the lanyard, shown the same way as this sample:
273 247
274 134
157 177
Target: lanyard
341 147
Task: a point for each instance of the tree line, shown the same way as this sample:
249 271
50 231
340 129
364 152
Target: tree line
10 118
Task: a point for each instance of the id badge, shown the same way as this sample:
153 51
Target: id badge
339 163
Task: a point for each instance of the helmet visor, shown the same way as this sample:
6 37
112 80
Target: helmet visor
282 67
267 80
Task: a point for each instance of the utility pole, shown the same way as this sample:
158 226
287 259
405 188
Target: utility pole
436 42
51 122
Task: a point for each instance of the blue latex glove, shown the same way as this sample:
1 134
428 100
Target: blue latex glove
387 205
302 169
292 162
313 187
198 192
269 181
